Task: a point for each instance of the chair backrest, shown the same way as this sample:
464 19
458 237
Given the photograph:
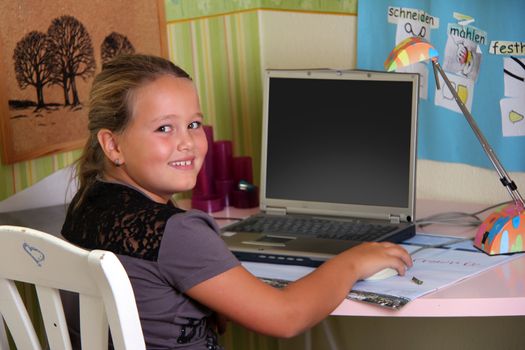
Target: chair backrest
52 264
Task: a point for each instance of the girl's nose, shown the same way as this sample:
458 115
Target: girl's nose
185 141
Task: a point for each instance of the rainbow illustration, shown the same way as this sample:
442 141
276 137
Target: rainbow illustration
410 51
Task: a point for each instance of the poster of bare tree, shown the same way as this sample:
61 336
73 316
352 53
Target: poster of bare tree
50 52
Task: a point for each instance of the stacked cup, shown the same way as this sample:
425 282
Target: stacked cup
224 180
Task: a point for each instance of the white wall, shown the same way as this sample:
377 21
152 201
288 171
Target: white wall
309 40
461 182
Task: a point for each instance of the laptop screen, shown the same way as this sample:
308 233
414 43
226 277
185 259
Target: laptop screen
343 138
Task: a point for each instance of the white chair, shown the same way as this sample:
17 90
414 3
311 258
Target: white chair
52 264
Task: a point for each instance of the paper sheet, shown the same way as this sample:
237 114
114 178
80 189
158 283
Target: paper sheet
434 267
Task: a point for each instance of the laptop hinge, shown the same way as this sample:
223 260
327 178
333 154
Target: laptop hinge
394 219
275 211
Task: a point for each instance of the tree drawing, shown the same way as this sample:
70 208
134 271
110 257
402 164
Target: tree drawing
32 56
113 45
73 55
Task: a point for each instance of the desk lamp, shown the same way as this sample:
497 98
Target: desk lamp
503 231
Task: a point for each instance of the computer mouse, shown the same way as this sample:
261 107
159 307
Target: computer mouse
382 274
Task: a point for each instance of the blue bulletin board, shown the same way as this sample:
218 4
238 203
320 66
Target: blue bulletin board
481 44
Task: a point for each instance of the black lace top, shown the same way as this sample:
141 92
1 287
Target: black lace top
120 219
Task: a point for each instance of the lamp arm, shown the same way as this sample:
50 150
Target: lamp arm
504 176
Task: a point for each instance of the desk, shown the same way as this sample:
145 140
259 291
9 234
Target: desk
46 219
497 292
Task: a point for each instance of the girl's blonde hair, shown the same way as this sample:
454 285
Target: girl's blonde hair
111 103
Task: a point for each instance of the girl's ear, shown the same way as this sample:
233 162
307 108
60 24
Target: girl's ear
109 143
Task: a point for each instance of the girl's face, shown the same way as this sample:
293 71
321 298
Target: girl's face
163 147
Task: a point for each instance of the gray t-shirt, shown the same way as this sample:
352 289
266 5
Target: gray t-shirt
191 252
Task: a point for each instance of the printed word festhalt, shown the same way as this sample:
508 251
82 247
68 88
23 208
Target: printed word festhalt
498 47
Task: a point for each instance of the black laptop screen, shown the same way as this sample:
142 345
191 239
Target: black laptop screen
339 141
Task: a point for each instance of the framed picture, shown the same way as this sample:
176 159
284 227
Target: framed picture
50 51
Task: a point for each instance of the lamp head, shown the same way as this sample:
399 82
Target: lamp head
410 51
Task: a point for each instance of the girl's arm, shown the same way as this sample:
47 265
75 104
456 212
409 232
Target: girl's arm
245 299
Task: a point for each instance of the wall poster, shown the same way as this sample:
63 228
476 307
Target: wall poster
481 46
50 52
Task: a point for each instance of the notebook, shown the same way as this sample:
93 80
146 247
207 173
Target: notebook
338 146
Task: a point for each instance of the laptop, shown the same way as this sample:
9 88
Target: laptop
338 149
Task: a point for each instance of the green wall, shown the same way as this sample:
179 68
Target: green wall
222 55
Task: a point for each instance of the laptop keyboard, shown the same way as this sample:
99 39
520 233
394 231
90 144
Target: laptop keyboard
314 227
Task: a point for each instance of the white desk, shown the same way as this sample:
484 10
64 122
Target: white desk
497 292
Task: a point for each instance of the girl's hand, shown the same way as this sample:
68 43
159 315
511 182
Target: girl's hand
371 257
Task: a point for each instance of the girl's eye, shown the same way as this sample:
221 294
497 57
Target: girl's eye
165 128
194 125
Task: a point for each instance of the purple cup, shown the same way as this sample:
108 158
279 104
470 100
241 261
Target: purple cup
204 185
242 169
223 160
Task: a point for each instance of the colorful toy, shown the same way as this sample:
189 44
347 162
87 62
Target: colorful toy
502 232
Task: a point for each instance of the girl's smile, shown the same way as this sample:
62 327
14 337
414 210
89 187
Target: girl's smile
183 164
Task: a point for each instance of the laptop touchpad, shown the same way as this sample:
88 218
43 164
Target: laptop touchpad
271 240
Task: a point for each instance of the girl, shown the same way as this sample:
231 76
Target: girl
146 143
